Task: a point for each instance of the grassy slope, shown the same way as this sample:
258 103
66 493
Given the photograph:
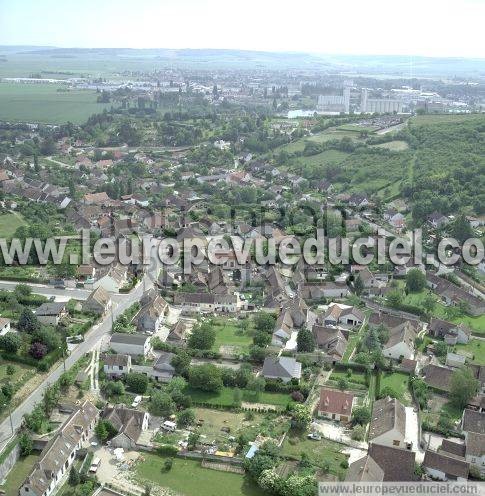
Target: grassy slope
10 222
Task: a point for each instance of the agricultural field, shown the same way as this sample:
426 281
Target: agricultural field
187 477
9 223
399 383
47 103
395 146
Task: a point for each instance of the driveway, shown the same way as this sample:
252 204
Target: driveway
412 432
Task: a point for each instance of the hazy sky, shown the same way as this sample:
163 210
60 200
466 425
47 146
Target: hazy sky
409 27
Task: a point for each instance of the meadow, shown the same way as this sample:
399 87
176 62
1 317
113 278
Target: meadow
47 103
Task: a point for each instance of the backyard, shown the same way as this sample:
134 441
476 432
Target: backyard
231 338
225 397
188 478
399 384
474 347
324 454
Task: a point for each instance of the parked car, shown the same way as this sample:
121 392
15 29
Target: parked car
95 465
136 401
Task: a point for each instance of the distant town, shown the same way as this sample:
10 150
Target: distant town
237 378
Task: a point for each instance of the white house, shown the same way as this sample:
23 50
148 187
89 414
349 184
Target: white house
130 344
400 343
116 366
388 423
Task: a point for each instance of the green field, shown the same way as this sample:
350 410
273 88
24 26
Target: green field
399 383
441 118
9 223
188 478
44 103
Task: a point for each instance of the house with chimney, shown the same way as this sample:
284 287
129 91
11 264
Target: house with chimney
335 405
58 456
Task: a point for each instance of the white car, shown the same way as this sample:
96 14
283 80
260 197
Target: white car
136 401
315 436
94 465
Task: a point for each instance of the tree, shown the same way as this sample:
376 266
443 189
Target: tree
203 337
74 478
181 362
26 444
38 350
193 439
161 404
440 349
415 281
300 417
261 339
237 398
305 341
185 417
463 387
10 342
137 382
388 391
28 322
264 321
394 298
167 464
342 384
358 433
429 303
256 385
47 336
358 285
105 430
206 377
176 384
460 229
101 431
361 415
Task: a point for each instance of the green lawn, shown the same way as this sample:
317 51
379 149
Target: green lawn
477 323
44 103
18 474
399 383
228 333
9 223
321 453
355 378
476 347
188 478
225 397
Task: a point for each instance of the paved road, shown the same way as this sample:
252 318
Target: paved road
92 338
45 290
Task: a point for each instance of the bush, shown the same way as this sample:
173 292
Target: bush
137 382
167 450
